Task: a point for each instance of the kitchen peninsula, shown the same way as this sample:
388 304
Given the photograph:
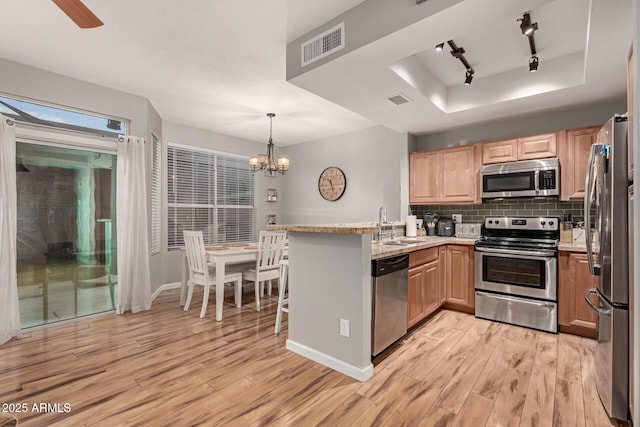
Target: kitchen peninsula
330 280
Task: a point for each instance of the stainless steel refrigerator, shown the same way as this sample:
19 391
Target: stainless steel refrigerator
606 204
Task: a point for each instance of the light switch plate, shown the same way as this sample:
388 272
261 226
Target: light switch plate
457 218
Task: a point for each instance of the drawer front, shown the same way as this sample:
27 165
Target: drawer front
422 256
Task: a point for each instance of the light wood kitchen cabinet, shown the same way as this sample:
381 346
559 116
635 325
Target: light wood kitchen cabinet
528 148
500 151
574 315
573 153
444 176
460 278
458 177
537 147
424 285
424 177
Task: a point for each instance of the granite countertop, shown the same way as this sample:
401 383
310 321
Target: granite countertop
381 250
345 228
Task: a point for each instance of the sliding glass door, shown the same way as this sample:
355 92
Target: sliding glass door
66 243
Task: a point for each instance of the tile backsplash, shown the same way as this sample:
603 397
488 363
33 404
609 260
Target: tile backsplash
509 207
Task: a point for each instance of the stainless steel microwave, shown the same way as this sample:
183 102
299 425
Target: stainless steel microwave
530 178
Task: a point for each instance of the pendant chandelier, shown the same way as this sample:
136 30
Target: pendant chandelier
266 162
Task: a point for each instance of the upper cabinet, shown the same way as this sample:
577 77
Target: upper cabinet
510 150
573 153
424 175
500 151
444 176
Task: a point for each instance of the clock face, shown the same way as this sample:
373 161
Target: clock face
332 183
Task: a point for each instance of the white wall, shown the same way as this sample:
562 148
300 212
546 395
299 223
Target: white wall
375 162
524 125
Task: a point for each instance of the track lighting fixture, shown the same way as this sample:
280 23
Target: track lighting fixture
528 29
526 26
469 77
458 53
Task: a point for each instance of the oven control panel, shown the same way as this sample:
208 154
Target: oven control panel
522 223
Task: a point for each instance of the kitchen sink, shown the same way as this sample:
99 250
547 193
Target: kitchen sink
412 240
396 243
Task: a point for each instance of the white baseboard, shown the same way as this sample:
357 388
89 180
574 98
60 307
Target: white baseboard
165 287
360 374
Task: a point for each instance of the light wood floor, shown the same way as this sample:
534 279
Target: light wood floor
167 367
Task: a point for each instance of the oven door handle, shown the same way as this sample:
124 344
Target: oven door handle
600 311
506 298
517 252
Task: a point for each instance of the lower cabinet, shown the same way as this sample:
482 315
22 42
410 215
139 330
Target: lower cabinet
440 276
574 278
423 292
444 276
424 285
459 278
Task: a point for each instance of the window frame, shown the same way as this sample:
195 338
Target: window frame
174 238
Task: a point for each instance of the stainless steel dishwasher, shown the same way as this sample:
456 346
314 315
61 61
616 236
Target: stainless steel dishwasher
389 311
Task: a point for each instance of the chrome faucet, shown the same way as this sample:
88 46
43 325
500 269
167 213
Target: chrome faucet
382 219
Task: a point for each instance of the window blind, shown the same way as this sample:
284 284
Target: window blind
211 192
155 196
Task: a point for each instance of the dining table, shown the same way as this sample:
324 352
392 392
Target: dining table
220 257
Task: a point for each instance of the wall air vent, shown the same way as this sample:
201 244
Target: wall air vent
399 99
322 45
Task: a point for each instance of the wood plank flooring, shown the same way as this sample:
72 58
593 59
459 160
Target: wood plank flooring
167 367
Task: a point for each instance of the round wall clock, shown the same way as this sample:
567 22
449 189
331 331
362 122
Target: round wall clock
332 183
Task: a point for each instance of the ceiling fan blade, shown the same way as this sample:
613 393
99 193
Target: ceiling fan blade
79 13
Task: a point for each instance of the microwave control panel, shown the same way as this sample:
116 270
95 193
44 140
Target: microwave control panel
547 180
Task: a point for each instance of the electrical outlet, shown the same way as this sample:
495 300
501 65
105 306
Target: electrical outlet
344 328
457 218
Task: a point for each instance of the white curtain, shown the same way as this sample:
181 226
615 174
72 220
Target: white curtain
9 308
134 281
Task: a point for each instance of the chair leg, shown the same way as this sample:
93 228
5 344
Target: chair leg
189 295
282 288
269 289
205 301
257 288
238 292
261 289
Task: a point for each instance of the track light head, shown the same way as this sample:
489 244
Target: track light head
533 64
469 77
440 47
526 26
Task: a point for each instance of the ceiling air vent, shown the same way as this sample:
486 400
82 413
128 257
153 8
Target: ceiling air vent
399 99
322 45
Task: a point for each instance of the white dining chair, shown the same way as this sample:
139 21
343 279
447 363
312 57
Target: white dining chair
270 252
199 273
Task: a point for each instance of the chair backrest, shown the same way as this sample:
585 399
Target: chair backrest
270 249
196 255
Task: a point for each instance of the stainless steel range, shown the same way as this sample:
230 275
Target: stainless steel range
516 277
